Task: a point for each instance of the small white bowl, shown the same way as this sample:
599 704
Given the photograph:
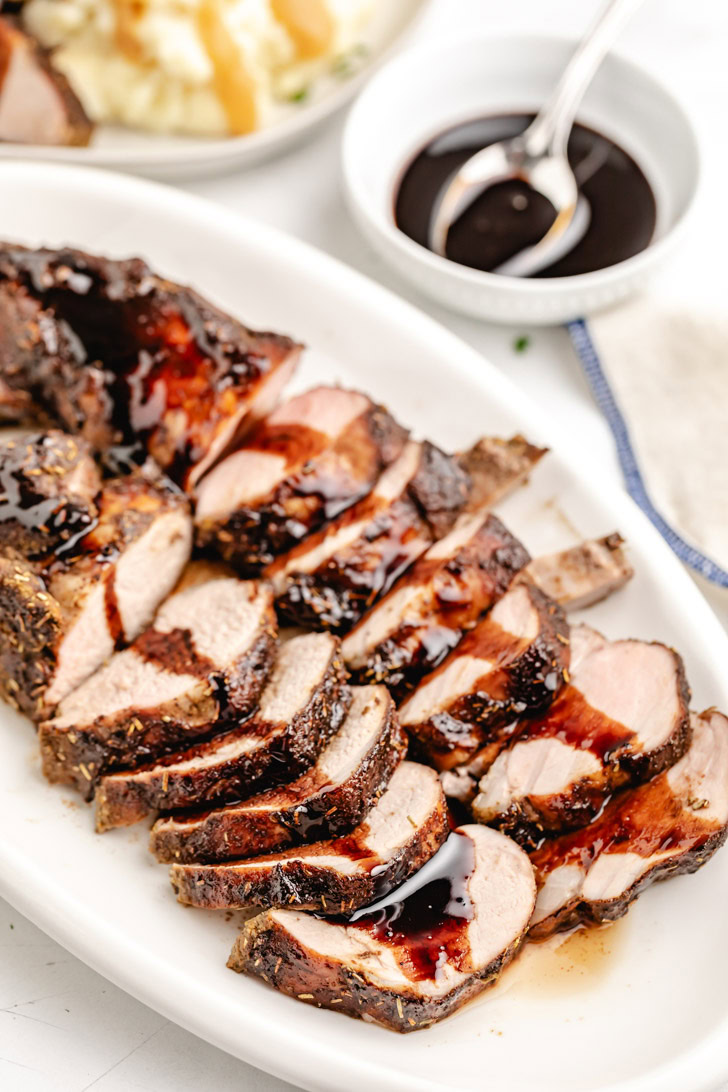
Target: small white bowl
426 90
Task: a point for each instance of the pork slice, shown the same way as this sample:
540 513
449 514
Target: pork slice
461 782
496 466
512 661
402 831
302 705
330 799
37 104
668 826
305 464
59 621
439 941
329 580
48 487
134 357
411 630
198 669
622 719
583 574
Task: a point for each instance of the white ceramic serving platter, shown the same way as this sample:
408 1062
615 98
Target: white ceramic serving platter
168 156
656 1016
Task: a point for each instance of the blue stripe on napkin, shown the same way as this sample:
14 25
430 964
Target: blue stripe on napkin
604 397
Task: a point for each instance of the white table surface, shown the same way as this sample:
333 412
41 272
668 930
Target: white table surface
63 1028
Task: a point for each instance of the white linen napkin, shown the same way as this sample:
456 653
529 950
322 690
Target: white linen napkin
659 372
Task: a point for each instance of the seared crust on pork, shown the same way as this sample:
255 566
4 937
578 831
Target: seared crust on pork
407 825
348 778
266 749
65 614
200 667
411 630
511 663
306 463
622 720
119 354
668 826
357 970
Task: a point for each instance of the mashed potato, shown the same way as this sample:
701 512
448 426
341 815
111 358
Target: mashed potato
213 67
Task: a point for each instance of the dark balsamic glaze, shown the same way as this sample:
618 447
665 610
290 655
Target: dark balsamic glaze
510 216
122 459
161 353
113 614
647 820
393 535
426 918
455 593
572 720
61 522
489 642
329 480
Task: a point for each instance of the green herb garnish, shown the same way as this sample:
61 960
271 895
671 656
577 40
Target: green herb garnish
347 64
521 343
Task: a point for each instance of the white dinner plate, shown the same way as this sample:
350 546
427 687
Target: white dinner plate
168 156
656 1015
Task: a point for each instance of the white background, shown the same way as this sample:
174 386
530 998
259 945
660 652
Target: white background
63 1028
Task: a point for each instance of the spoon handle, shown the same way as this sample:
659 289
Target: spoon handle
549 131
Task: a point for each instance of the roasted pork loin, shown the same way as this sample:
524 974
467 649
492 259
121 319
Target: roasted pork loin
37 104
198 669
670 825
302 705
61 616
111 350
330 799
330 579
622 719
584 574
306 463
411 630
402 831
513 661
418 954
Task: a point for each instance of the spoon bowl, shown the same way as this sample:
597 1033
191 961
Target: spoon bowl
537 157
432 87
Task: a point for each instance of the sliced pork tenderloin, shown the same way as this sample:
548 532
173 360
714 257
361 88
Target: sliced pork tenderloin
60 620
134 357
37 104
48 487
513 661
622 719
406 826
583 574
303 704
306 463
461 782
331 578
497 466
415 957
668 826
198 669
330 799
411 630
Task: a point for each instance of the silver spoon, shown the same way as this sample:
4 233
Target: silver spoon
538 157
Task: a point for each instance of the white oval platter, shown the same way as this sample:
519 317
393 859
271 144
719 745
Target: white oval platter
657 1017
